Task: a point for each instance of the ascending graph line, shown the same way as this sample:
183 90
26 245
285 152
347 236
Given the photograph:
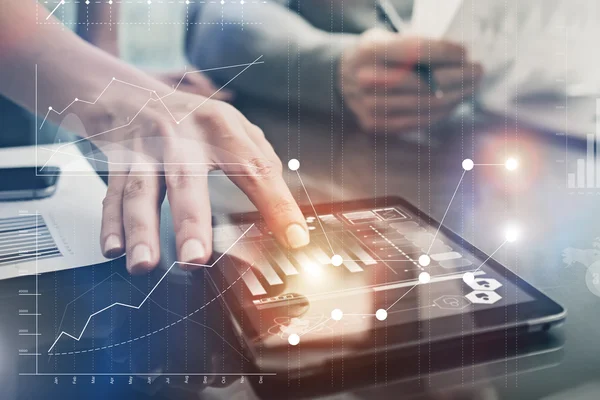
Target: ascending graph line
401 297
491 255
60 3
315 211
78 338
446 213
153 93
151 300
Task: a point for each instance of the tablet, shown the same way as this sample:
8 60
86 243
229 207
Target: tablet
378 276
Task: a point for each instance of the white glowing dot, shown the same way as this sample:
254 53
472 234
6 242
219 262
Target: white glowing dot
337 260
293 164
468 164
222 1
76 99
468 277
511 234
381 314
149 2
294 339
511 164
337 314
424 277
49 108
242 2
424 260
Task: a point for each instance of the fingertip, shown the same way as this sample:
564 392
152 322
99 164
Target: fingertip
113 246
140 260
193 254
297 236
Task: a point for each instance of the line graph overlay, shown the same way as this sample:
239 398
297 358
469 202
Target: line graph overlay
78 338
152 93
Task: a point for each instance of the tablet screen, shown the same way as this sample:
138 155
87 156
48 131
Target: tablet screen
364 267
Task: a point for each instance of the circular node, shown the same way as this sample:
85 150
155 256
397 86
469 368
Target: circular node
381 314
242 2
294 339
76 99
337 314
293 164
424 277
424 260
149 1
87 1
110 1
468 277
511 164
222 1
337 260
49 108
511 235
468 164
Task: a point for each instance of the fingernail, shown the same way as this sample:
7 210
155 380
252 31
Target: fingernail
192 250
296 236
139 255
113 246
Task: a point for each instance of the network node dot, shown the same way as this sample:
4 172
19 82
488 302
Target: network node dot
294 339
293 164
468 164
511 164
381 314
424 277
424 260
49 108
76 99
337 260
242 2
149 1
337 314
468 277
511 235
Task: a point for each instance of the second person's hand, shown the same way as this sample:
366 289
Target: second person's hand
377 77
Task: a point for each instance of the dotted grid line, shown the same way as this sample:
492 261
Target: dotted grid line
473 187
397 248
158 330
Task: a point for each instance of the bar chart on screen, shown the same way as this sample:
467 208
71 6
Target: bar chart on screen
585 170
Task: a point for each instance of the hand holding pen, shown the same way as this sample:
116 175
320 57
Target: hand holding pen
404 83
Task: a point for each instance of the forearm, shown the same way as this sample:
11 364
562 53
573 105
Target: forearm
98 23
67 68
299 59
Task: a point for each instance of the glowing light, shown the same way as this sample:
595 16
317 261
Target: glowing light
424 260
337 314
294 339
468 164
293 164
313 269
511 164
424 277
511 234
337 260
381 314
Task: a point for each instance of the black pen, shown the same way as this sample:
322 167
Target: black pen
389 14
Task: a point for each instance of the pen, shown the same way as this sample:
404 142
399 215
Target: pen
389 14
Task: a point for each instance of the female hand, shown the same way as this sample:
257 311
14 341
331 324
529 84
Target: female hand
169 147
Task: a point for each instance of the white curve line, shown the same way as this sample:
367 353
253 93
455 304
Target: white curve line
207 70
316 215
218 90
158 330
446 213
147 296
490 256
60 3
316 326
144 106
401 297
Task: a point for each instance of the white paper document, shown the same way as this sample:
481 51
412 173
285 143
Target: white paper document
527 48
58 232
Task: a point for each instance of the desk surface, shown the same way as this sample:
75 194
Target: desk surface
555 223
